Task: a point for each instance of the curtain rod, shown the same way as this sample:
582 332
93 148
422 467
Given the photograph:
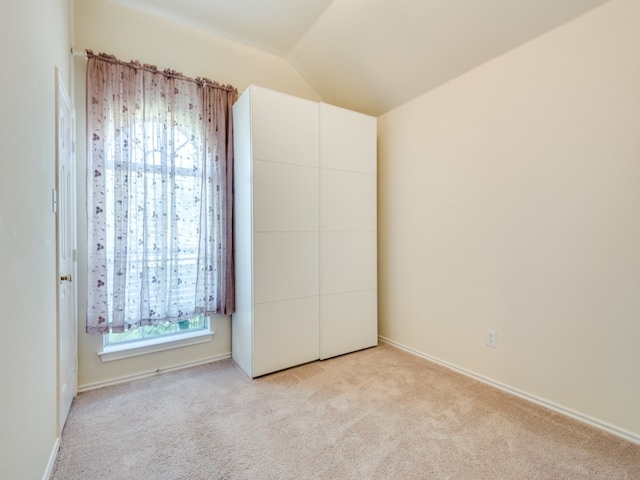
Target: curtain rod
153 69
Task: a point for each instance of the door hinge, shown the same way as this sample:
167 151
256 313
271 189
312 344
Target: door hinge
54 200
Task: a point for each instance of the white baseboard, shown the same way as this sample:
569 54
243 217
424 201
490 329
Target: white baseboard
619 432
52 460
150 373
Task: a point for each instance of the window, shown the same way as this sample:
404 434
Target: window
159 204
147 162
164 330
167 231
154 338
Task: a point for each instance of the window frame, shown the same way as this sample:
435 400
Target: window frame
158 343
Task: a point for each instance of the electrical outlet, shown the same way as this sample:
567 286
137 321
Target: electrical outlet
492 338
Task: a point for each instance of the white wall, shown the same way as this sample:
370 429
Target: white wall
510 199
104 26
34 39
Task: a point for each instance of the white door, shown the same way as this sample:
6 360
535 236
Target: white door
66 246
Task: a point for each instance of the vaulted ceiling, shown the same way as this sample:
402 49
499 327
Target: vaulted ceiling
374 55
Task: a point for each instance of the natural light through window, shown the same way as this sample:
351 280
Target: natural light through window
159 206
164 198
156 338
150 164
166 330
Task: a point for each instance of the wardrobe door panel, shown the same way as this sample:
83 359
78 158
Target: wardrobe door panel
285 128
347 201
348 262
347 139
285 266
285 198
286 334
348 225
348 322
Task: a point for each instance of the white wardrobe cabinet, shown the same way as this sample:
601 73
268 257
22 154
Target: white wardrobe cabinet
305 231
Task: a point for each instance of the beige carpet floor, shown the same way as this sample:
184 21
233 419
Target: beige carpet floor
376 414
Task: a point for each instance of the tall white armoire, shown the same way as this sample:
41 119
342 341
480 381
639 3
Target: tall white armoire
305 231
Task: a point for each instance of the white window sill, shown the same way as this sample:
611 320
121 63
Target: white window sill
144 347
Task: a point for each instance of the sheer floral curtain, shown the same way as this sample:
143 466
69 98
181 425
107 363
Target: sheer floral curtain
159 199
